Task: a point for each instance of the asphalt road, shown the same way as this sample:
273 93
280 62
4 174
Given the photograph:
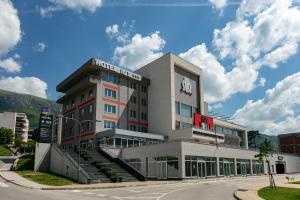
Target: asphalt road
211 189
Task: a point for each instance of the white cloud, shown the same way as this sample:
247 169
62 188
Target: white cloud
10 65
40 47
10 28
26 85
218 4
264 33
111 30
139 50
274 113
219 84
76 5
262 81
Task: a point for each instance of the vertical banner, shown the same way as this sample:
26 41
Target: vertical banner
45 129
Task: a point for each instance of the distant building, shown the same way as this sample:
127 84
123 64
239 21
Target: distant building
289 143
17 122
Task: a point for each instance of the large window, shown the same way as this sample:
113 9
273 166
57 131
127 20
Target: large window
226 166
110 78
143 116
110 109
257 167
133 113
196 166
186 110
109 124
110 93
243 167
177 108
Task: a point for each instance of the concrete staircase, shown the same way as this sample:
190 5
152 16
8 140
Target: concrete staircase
95 175
127 177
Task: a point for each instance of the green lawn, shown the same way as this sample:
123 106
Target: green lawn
4 151
46 178
25 168
280 194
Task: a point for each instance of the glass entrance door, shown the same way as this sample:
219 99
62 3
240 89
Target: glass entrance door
201 169
227 169
162 170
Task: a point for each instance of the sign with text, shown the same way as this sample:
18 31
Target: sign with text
202 119
45 130
119 70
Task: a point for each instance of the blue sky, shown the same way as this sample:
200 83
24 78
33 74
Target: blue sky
247 46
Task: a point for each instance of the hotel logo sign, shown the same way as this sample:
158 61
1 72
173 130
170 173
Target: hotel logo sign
116 69
186 86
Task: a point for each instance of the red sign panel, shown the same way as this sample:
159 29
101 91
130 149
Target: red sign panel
199 119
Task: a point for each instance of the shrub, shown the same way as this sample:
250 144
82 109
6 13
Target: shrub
116 178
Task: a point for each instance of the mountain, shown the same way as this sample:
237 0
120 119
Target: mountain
24 103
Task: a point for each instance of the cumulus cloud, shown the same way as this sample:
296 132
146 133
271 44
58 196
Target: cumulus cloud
274 113
112 30
218 4
40 47
10 28
26 85
264 33
139 51
76 5
10 36
10 65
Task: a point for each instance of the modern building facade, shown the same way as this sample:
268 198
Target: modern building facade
289 143
156 119
17 122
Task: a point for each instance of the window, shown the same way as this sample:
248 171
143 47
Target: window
133 99
110 78
143 116
90 108
133 85
185 125
82 98
82 111
91 93
110 93
132 127
186 110
144 129
177 125
143 102
133 113
144 88
72 103
177 107
110 109
109 124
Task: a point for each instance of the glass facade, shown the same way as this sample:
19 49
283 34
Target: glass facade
257 167
163 167
186 110
226 166
110 78
243 167
196 166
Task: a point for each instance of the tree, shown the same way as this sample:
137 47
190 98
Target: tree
265 151
252 135
6 136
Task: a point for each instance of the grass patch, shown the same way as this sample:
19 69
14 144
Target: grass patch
46 178
25 163
4 151
280 194
25 168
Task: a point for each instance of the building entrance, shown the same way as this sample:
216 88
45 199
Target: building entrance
201 169
280 167
162 170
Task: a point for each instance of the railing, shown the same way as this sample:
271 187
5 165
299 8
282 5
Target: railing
124 165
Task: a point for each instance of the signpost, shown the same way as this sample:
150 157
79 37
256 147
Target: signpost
45 127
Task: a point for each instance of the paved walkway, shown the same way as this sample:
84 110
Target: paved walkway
250 193
15 178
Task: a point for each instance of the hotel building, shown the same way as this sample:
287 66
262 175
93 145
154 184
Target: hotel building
155 119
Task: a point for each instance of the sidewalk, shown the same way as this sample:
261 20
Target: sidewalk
250 193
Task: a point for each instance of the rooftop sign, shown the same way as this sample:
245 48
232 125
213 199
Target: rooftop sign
118 70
